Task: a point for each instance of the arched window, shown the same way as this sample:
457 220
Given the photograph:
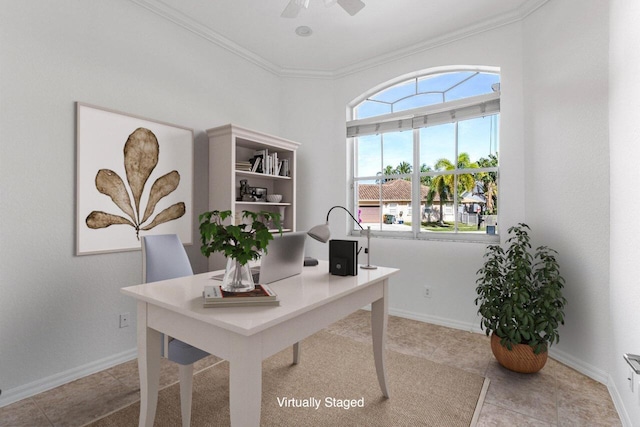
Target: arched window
429 140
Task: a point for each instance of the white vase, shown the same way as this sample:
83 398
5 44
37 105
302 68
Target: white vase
237 277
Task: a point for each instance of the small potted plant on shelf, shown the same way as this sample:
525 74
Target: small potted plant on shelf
239 243
521 302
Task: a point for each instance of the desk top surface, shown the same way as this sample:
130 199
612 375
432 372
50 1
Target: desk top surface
297 294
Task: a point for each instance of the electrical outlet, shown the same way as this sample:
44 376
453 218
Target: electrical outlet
427 292
124 320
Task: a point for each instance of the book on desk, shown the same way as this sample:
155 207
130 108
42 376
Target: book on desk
214 296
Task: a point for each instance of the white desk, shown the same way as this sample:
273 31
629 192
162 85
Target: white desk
245 336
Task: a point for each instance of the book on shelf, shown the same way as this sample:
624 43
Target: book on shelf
256 162
214 296
262 155
284 168
269 159
274 164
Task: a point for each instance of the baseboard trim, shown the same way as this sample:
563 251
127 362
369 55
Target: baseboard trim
618 403
31 389
580 366
562 357
436 320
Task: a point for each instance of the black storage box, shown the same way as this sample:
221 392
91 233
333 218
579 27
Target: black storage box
343 257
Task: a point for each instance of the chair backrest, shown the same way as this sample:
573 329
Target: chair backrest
163 258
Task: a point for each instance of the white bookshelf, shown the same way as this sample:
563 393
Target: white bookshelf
229 144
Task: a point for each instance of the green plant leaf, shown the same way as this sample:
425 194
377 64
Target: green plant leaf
240 242
519 291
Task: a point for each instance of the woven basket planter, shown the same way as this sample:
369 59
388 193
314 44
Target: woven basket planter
520 358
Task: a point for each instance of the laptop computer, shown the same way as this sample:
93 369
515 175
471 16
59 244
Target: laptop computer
284 258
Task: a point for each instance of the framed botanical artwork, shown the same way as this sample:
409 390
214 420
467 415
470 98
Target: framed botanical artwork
134 177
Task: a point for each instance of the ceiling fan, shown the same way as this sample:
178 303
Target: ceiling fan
350 6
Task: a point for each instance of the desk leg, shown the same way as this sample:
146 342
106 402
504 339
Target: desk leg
149 342
296 353
245 381
379 311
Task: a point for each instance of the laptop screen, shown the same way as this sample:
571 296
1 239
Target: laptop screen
284 257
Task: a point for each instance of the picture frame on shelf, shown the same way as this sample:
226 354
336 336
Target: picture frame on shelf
259 194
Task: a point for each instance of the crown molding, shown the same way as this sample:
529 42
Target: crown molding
531 6
178 18
488 25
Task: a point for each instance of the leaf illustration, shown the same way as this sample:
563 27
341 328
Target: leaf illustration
163 186
108 182
172 212
99 219
141 153
140 158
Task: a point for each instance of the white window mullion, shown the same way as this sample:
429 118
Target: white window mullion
380 198
455 180
415 196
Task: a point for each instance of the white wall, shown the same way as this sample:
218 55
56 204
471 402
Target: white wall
624 131
566 142
59 312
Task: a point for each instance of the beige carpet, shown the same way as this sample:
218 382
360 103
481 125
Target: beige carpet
423 393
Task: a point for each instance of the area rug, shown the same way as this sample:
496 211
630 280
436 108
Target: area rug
335 384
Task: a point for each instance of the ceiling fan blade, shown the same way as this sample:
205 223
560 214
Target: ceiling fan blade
351 6
292 9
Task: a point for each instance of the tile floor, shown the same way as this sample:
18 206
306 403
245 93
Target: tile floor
556 396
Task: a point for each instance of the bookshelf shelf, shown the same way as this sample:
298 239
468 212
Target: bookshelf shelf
261 175
263 203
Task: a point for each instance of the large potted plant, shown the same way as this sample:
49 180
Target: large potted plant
520 301
239 243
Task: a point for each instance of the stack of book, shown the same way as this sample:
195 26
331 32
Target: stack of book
243 166
269 164
214 296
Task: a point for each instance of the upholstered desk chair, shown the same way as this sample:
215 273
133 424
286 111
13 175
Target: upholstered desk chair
163 258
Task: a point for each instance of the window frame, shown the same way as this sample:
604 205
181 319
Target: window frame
397 117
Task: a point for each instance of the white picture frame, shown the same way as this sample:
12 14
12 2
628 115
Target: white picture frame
101 196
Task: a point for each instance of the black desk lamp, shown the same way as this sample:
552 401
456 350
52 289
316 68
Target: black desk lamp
322 233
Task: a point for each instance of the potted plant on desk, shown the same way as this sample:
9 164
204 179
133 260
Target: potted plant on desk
521 302
239 243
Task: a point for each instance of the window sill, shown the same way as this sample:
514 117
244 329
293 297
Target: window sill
434 236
